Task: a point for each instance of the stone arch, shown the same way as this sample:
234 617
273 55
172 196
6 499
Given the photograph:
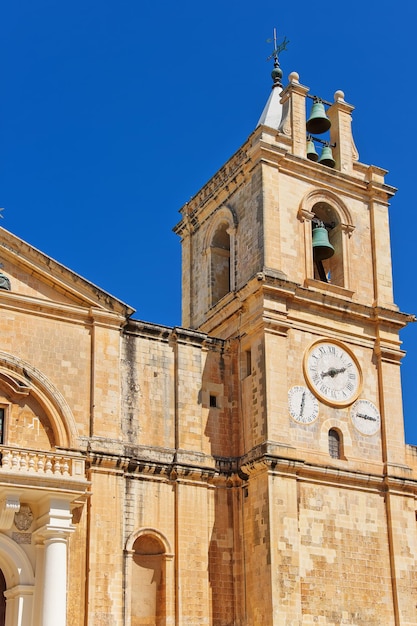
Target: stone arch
20 377
20 582
323 195
151 532
323 206
15 564
220 250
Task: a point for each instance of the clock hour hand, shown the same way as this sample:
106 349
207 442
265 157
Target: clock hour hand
332 372
302 403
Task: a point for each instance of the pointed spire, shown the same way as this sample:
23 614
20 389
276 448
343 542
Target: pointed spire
272 113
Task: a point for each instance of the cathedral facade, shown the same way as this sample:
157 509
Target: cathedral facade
248 468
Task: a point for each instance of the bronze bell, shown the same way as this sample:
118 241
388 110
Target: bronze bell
322 248
311 150
318 122
326 157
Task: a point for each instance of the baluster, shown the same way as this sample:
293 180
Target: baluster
57 465
41 463
31 464
7 460
15 460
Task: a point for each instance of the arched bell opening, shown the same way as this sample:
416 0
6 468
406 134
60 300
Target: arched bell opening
327 245
220 263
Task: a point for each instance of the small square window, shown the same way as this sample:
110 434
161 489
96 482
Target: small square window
213 401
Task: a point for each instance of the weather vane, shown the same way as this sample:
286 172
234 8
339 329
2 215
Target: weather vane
277 48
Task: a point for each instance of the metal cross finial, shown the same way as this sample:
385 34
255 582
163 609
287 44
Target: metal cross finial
277 48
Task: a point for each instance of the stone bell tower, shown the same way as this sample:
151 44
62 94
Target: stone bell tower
327 494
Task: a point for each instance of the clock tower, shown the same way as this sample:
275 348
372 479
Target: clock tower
286 257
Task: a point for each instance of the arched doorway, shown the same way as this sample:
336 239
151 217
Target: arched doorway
17 584
2 599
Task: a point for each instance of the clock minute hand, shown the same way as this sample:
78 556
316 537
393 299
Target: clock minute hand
332 372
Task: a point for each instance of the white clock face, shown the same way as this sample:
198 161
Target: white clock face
303 406
365 417
332 373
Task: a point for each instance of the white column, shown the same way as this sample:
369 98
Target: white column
39 586
19 605
54 603
55 526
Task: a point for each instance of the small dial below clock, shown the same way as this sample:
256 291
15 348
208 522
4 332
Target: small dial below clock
365 417
302 405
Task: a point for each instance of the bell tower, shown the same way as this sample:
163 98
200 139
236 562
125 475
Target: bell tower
286 257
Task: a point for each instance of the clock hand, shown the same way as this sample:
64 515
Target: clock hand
332 372
367 417
302 403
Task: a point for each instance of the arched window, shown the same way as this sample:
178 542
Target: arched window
220 263
335 444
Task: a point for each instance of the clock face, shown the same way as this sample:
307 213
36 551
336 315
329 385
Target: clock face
332 373
365 417
303 406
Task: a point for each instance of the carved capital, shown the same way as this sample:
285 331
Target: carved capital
8 507
304 215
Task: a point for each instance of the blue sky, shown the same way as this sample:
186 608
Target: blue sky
113 114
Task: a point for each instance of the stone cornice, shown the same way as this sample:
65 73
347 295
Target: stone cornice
182 466
327 300
172 334
272 286
226 180
63 280
166 464
268 146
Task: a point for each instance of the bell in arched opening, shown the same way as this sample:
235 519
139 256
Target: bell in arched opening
322 248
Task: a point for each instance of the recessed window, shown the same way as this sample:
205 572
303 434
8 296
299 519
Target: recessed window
334 444
2 425
213 401
248 362
220 263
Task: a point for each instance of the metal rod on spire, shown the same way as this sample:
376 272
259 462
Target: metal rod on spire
277 72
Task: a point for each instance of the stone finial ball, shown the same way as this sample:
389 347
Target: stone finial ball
339 95
294 77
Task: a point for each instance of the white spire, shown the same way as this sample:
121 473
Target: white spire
272 113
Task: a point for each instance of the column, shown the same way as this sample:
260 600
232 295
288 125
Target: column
19 605
51 539
54 604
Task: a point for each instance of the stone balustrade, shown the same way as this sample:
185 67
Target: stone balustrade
36 462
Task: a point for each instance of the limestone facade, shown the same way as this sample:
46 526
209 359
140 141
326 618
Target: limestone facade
158 476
